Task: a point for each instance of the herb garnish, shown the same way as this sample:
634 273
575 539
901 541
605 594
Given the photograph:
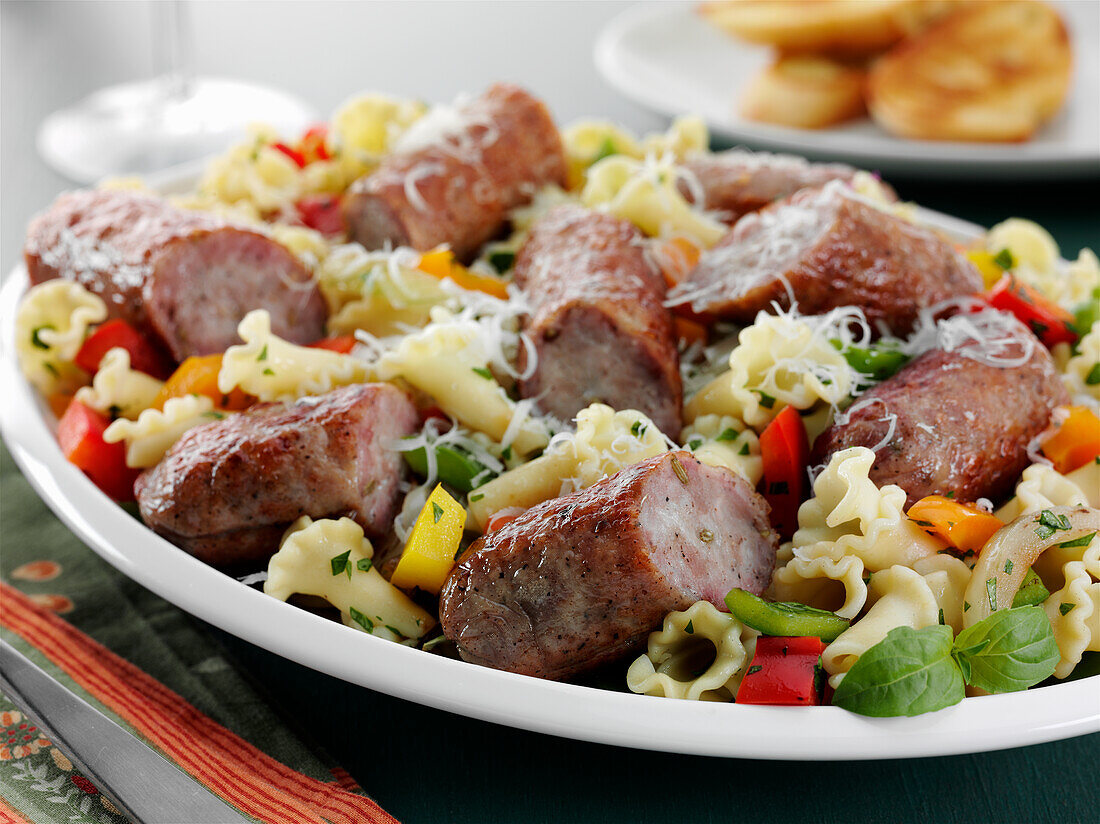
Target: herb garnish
1084 540
341 563
728 434
361 619
637 429
36 341
1004 259
1065 608
1049 523
364 564
485 373
437 512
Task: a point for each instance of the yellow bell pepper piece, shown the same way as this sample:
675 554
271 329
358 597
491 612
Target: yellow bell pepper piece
987 266
963 526
441 263
430 552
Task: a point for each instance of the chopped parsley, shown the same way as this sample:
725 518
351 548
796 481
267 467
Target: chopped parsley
36 341
263 354
361 619
1093 377
506 453
950 494
606 149
744 449
477 496
340 563
269 371
1049 523
1084 540
485 373
1004 259
637 429
754 669
695 443
991 593
1008 567
766 400
942 622
966 606
502 260
1065 608
690 628
364 564
437 512
728 434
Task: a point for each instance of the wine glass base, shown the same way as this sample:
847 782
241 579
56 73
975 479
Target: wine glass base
138 128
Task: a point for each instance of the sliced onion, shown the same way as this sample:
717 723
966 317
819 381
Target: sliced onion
1006 557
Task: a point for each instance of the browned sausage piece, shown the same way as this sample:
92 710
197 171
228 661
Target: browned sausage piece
598 326
962 424
828 247
455 183
581 580
185 278
227 490
737 182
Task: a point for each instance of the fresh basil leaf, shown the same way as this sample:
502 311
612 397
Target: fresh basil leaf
1010 650
909 672
1031 591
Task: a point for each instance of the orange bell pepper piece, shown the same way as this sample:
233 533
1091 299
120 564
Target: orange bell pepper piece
690 331
963 526
198 375
1075 441
675 258
441 263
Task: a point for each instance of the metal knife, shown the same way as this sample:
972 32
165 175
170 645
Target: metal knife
140 782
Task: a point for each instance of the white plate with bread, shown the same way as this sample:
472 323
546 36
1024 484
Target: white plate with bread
998 89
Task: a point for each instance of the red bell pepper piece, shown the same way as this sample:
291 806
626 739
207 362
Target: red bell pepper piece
290 152
323 213
144 355
1050 322
313 145
80 435
784 671
342 344
503 517
785 450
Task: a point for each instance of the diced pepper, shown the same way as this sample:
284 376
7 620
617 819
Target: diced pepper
784 672
785 450
1087 313
453 466
878 362
80 435
1031 591
144 355
198 375
690 331
314 143
323 213
341 343
290 152
502 518
784 619
675 258
441 263
1050 322
964 526
1075 441
434 542
987 265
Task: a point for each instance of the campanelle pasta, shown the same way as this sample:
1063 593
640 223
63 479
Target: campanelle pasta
52 321
719 440
117 390
151 436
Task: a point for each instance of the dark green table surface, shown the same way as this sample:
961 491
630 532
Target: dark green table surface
426 765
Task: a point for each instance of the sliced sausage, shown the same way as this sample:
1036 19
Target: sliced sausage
598 326
956 422
826 248
455 175
737 182
227 490
184 278
581 580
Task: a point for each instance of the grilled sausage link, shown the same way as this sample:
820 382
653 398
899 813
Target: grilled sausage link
184 278
456 185
598 326
581 580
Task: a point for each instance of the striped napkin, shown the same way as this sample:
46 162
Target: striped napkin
59 580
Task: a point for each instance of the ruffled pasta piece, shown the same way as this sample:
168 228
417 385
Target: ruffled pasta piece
900 597
117 390
309 245
645 192
305 565
1042 486
605 442
1029 243
779 361
947 578
150 437
719 440
382 293
449 360
50 325
688 640
1074 610
367 126
1081 373
850 526
254 173
273 369
1038 263
589 141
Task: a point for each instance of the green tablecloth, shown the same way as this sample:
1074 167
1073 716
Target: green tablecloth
426 765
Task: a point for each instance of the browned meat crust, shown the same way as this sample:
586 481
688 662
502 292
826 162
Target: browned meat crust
459 189
185 278
581 580
963 426
598 325
227 490
828 248
737 182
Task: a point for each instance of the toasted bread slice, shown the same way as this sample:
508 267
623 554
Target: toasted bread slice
992 72
806 92
838 27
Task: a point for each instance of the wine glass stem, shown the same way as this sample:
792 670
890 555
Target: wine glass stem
172 45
